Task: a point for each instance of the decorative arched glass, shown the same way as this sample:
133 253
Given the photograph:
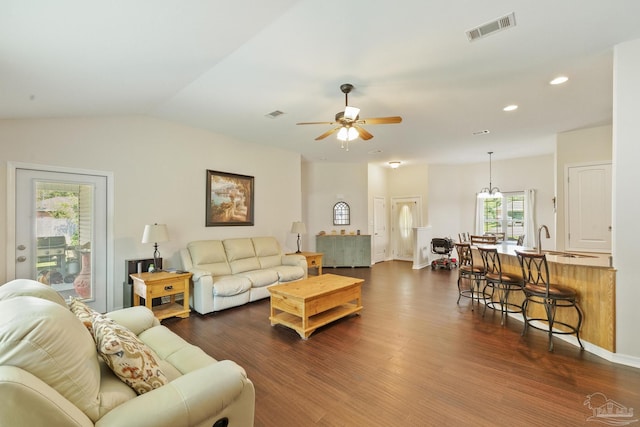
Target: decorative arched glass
341 214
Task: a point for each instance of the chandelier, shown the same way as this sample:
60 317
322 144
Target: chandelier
490 191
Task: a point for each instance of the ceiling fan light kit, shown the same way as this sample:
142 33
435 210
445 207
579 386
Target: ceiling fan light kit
349 122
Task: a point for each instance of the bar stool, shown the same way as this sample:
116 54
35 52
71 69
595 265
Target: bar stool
468 271
539 290
501 283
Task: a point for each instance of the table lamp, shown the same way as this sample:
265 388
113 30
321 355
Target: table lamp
154 233
298 228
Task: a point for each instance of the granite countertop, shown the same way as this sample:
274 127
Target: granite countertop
587 259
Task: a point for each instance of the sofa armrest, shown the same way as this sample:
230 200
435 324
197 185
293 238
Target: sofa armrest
198 273
29 401
202 293
200 397
137 319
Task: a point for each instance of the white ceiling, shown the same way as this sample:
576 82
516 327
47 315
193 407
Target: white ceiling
224 65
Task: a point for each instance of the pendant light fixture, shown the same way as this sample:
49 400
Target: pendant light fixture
489 192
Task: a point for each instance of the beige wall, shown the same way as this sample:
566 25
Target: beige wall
325 184
573 148
411 180
626 175
453 191
159 176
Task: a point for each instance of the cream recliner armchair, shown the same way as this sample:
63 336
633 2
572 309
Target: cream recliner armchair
51 373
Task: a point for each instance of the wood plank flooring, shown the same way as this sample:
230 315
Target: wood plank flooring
411 358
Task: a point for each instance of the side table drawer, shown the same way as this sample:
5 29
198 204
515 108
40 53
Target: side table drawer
163 289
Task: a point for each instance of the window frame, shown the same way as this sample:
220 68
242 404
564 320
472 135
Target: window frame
502 222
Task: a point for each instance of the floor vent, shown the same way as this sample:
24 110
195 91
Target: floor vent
494 26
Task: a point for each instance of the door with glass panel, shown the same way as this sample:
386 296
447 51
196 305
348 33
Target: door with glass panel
406 216
61 233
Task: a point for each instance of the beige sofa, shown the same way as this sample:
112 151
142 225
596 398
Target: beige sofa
52 375
228 273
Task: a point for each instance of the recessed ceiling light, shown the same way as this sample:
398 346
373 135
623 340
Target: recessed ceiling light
511 107
559 80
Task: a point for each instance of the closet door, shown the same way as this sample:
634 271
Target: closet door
588 190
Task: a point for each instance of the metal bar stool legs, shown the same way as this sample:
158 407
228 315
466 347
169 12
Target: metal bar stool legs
539 290
468 272
501 284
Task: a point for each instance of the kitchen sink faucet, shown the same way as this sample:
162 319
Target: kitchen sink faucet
540 238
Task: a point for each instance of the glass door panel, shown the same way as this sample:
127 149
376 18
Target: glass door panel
61 232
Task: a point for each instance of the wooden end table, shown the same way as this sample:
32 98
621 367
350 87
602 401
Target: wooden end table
161 284
314 259
306 305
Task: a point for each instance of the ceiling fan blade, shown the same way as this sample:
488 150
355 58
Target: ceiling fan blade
363 133
315 123
327 133
381 120
351 113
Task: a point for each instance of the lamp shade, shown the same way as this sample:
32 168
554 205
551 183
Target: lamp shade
298 227
154 233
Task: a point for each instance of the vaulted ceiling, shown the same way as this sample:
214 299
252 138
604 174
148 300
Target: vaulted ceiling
225 65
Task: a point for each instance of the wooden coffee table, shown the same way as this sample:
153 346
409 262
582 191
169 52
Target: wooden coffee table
308 304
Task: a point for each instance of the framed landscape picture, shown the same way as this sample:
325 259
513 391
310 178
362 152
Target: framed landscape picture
229 199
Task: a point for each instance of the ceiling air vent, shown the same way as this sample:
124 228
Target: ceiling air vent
274 114
494 26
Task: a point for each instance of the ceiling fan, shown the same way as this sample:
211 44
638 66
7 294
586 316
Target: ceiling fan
349 121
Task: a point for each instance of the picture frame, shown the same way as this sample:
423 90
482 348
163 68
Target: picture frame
229 199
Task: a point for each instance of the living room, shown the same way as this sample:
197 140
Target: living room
158 168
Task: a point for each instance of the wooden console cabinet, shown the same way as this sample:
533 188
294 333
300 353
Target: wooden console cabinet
345 250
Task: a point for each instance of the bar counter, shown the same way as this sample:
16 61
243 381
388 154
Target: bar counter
593 279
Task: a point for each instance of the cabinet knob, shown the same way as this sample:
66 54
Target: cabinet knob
168 288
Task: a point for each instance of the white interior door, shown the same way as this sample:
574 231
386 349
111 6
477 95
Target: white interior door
405 216
380 234
61 232
589 208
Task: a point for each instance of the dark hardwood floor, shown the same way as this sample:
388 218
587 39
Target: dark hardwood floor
412 358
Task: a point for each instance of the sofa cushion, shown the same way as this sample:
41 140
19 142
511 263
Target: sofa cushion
241 255
127 356
230 286
209 255
28 287
268 251
113 392
171 348
260 278
44 338
288 273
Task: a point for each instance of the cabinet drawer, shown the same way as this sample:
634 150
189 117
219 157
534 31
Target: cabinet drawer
162 289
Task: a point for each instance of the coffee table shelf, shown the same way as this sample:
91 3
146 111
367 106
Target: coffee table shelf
306 305
316 321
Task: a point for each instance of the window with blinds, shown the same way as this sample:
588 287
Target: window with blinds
504 215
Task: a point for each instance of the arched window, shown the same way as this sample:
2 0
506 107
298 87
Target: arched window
341 214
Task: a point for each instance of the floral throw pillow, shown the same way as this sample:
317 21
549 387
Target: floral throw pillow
83 312
128 357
